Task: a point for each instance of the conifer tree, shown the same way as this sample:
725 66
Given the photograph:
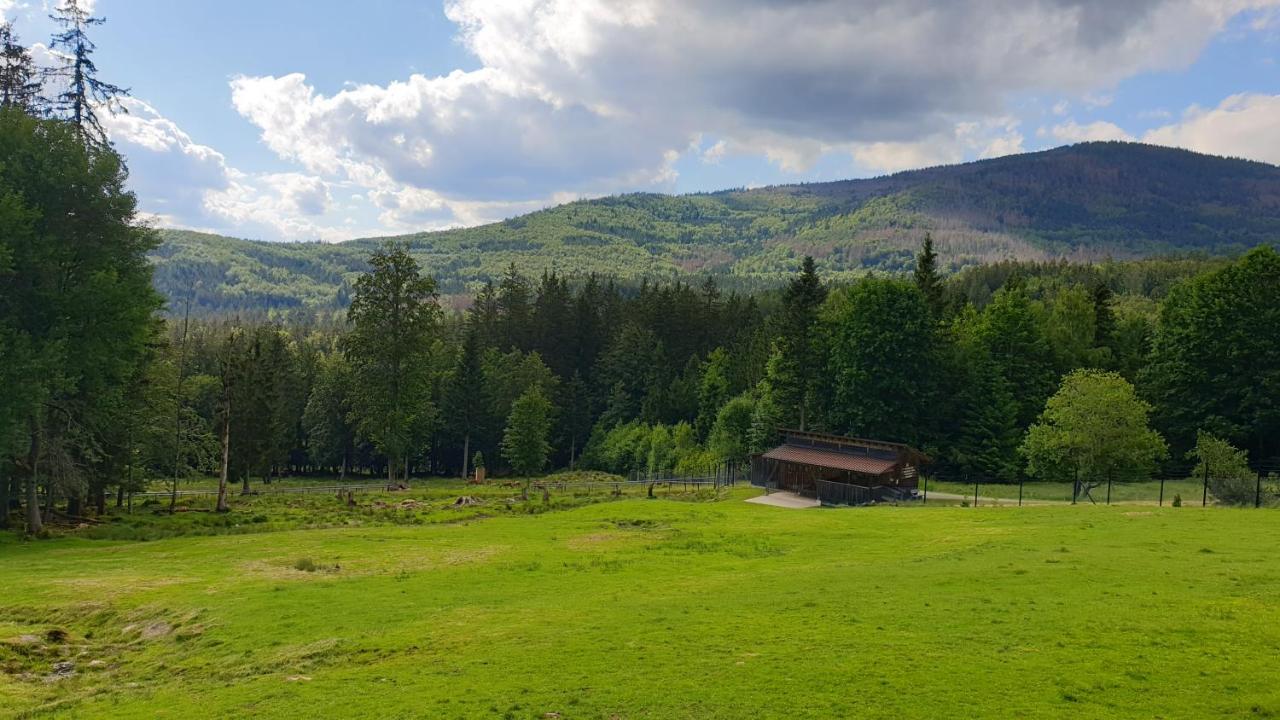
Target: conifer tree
19 83
927 278
800 362
83 93
465 396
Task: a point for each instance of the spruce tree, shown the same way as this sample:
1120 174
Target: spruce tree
83 93
800 364
19 83
927 279
465 406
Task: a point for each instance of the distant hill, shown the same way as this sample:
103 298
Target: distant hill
1083 202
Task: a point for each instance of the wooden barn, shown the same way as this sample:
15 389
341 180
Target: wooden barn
837 469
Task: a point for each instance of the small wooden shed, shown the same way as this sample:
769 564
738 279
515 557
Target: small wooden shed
808 462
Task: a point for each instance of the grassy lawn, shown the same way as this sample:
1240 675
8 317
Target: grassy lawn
639 608
1134 492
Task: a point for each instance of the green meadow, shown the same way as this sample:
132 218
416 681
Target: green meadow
683 606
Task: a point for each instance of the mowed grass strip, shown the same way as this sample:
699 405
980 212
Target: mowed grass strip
661 609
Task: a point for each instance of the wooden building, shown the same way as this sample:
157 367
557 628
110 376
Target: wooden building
838 469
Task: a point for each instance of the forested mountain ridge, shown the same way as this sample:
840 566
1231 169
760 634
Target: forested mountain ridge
1083 202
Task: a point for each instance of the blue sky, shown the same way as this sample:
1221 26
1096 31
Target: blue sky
319 119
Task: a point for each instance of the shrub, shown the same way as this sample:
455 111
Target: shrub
305 565
1177 500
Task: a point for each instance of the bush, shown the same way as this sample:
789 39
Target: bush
305 565
1230 479
1177 500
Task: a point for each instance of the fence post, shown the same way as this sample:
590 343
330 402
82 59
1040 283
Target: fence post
1257 493
926 490
1020 481
1204 500
1108 488
1162 491
975 492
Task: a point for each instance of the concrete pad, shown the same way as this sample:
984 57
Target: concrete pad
785 500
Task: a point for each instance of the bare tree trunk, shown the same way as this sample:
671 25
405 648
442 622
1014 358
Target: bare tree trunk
245 490
4 501
34 525
177 411
226 459
466 453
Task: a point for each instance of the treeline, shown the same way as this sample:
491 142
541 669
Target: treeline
1042 369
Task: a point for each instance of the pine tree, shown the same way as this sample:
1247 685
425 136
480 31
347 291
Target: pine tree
19 84
84 92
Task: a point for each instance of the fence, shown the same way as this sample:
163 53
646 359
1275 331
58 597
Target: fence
1181 486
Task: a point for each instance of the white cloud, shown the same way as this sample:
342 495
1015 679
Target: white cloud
1245 125
586 97
1073 132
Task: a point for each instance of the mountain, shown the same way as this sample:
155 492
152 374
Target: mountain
1083 202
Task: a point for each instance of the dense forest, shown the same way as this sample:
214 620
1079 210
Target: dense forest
997 370
1086 203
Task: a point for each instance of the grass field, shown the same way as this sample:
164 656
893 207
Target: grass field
683 607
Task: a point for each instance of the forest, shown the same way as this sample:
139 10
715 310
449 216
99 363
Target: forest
1087 203
984 368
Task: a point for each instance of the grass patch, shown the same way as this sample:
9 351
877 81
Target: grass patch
653 609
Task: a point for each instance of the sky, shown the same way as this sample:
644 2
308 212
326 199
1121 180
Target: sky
329 120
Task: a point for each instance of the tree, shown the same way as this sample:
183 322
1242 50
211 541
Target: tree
516 311
986 433
393 318
1215 363
326 419
524 443
927 278
713 390
1227 469
1018 347
84 91
799 364
730 437
1070 327
466 411
882 361
76 304
1093 429
766 415
19 84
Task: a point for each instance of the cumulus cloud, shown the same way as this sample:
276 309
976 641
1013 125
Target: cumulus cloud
596 96
1073 132
587 97
1245 125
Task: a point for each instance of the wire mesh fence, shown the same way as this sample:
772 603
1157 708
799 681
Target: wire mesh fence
1258 487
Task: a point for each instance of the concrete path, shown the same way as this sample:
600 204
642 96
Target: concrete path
785 500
